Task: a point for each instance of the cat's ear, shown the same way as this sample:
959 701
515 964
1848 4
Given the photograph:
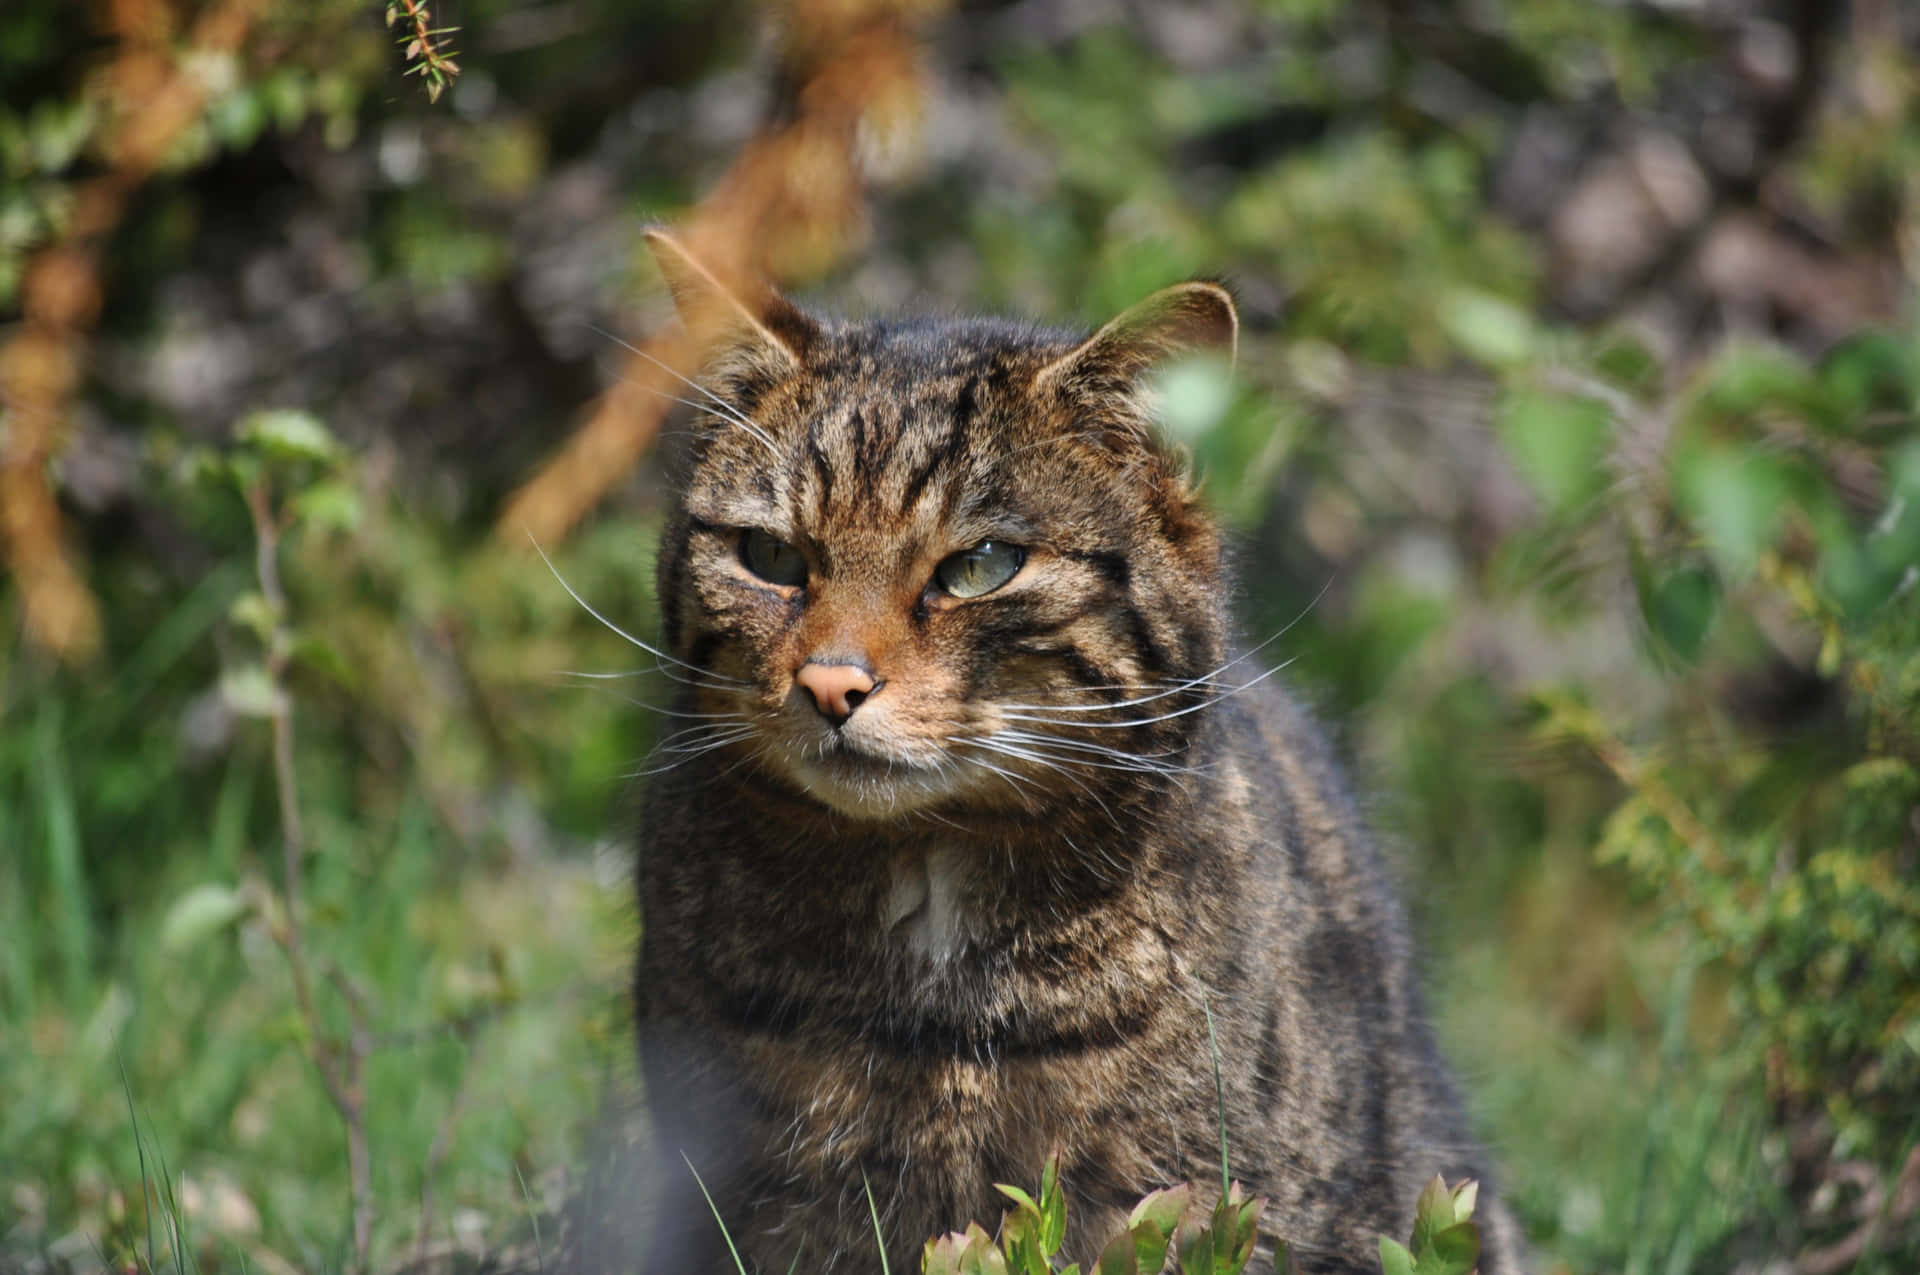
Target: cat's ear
724 313
1188 318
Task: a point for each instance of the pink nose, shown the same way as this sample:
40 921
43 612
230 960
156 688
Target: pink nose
837 689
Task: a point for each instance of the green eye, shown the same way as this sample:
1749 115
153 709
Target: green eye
774 561
979 570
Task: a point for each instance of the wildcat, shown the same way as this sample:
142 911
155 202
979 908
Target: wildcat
971 815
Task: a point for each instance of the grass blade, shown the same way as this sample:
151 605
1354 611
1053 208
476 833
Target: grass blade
726 1235
72 908
873 1210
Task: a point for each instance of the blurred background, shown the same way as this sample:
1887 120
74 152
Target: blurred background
1575 426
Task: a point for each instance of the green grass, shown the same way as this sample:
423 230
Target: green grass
494 979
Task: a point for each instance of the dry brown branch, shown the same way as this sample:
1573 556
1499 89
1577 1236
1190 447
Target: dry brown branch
150 99
789 206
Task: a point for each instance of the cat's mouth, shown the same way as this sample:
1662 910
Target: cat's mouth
856 778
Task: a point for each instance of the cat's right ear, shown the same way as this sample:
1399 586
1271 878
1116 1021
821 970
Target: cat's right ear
1188 318
728 315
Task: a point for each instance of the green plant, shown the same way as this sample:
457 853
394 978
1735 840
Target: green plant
1164 1225
427 46
1446 1240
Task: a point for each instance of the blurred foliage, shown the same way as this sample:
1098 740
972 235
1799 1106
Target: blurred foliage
1573 454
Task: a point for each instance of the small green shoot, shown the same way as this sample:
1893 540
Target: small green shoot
1446 1240
1034 1230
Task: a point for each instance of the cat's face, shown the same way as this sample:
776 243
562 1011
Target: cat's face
941 563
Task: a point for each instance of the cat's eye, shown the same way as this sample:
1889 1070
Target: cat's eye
979 570
773 560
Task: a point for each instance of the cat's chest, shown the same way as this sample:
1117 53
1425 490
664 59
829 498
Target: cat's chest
930 904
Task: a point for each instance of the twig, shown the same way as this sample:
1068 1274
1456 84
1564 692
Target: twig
341 1072
427 45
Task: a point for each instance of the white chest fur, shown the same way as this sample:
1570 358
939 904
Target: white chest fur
926 905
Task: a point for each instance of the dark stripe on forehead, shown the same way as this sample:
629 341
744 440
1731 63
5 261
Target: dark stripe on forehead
821 466
882 439
744 393
859 423
950 449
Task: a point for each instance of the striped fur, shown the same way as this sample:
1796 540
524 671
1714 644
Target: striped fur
984 917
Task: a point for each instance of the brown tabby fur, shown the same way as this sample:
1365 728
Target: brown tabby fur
878 951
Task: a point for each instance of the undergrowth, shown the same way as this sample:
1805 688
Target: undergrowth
1622 627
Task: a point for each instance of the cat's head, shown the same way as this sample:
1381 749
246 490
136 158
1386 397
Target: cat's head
940 562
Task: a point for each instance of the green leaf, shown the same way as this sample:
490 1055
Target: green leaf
1431 1214
979 1256
249 692
1736 499
941 1256
1394 1260
284 434
1018 1196
1162 1208
1453 1251
1053 1207
1746 380
200 912
1119 1257
1465 1197
1194 1243
329 505
1873 371
323 657
1236 1229
1020 1237
1152 1223
237 118
252 612
1488 328
1150 1247
243 471
1680 606
1558 442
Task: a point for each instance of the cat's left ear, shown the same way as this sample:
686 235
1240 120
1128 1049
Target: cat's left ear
1188 318
729 316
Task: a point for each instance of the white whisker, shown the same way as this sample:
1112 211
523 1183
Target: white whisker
1045 763
1042 719
1202 679
710 678
1052 752
726 410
